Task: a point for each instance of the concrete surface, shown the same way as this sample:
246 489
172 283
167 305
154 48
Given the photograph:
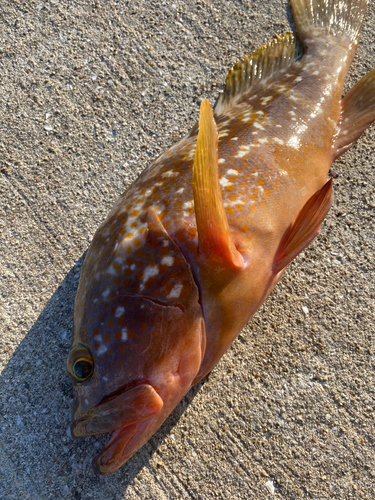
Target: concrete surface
90 93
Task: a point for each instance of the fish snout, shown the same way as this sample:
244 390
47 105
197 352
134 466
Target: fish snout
130 407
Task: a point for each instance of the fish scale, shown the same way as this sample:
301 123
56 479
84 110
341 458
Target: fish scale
193 248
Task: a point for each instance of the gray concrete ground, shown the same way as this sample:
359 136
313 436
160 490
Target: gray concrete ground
90 93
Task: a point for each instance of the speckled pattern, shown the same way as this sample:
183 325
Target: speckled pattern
91 94
276 143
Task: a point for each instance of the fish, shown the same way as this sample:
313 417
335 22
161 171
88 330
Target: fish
197 243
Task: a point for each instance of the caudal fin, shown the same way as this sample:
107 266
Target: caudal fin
357 113
316 17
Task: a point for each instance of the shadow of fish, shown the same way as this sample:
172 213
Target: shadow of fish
198 242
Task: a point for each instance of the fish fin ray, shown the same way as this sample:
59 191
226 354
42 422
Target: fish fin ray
214 238
256 69
305 228
314 17
357 113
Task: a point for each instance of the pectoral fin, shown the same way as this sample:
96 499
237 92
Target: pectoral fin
214 238
357 113
305 228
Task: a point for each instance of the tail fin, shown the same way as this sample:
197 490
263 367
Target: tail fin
314 17
357 113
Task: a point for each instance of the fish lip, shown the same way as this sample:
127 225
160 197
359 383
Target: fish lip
123 443
131 406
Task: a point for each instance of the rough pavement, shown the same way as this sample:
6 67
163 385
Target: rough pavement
90 93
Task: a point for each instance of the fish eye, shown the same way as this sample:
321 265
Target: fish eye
80 363
82 369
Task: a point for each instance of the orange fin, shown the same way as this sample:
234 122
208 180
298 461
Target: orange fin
214 238
357 113
305 228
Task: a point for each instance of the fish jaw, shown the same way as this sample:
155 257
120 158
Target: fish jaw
122 445
129 416
130 407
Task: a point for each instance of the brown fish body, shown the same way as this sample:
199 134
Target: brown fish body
198 242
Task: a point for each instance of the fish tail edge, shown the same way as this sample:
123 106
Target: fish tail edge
357 114
336 17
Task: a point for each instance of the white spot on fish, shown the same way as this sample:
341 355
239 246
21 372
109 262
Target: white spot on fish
224 182
234 139
111 270
149 272
263 140
106 293
119 312
231 171
124 334
223 134
175 292
258 125
98 338
169 173
102 349
298 79
188 204
281 88
265 100
221 160
294 142
167 260
316 73
181 190
240 154
279 141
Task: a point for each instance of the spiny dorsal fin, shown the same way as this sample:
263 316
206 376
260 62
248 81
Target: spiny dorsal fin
265 62
305 228
357 113
214 239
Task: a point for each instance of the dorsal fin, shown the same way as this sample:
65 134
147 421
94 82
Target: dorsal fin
267 61
214 238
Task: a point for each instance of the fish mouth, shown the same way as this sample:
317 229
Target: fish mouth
122 445
128 415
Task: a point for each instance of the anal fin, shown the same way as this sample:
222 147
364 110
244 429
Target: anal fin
214 238
305 228
357 113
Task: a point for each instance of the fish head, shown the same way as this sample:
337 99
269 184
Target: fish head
138 343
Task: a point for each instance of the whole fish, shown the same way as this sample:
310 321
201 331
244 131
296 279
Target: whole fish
194 247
